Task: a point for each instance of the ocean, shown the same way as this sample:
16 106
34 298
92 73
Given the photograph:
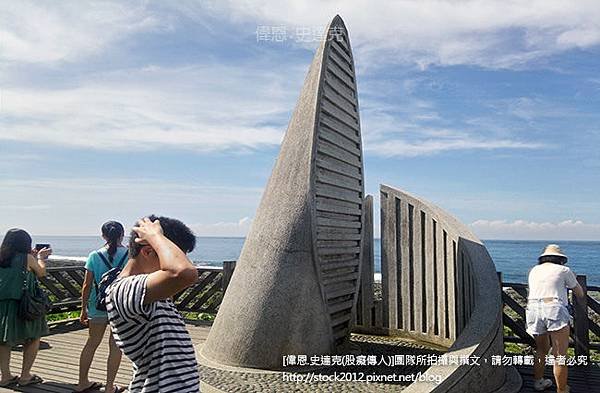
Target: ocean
512 257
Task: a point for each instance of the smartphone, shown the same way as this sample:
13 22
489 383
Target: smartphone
40 246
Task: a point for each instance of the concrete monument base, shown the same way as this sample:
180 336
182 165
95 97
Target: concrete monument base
216 377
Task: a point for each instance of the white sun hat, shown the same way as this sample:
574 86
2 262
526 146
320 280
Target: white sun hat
553 250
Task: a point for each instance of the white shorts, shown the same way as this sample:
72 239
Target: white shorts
546 317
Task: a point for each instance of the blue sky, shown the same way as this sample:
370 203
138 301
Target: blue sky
119 109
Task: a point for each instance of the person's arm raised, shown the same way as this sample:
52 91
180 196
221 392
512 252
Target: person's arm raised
37 261
176 271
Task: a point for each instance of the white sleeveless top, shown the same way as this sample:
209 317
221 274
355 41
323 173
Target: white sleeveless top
551 280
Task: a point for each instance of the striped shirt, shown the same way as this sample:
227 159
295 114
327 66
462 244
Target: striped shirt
153 336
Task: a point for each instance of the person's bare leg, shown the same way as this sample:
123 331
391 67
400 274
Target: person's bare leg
5 363
95 336
542 346
30 350
560 344
112 364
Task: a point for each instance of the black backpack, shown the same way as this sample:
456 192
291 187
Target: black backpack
107 278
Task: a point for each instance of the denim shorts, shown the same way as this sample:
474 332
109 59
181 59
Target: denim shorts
546 317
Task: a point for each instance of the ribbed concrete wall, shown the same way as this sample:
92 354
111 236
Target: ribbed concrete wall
427 284
338 182
295 284
364 309
440 285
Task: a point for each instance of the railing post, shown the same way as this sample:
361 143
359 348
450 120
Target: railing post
501 305
501 291
502 309
367 266
581 331
228 267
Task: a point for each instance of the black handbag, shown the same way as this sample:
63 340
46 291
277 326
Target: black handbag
33 306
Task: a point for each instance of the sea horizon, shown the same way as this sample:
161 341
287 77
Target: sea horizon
512 257
376 238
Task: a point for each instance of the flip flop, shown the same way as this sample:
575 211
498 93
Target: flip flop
10 382
94 386
31 381
117 389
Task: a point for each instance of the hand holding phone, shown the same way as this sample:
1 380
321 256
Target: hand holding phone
41 246
43 250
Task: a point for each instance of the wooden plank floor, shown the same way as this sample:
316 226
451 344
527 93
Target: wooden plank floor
58 362
58 359
581 379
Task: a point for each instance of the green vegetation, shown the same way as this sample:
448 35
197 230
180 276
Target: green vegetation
61 316
198 316
524 349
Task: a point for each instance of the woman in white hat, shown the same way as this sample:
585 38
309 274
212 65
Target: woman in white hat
547 314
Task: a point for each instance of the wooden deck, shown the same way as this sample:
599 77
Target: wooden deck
58 359
58 362
581 379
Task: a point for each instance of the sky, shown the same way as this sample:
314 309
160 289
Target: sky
115 110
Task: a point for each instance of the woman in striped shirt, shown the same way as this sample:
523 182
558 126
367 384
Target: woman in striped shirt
144 321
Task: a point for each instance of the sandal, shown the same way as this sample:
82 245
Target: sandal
10 382
93 387
117 389
31 381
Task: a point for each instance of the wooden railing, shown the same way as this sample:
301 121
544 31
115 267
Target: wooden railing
585 334
206 295
63 286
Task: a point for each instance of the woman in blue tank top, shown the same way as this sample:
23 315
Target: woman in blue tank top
112 255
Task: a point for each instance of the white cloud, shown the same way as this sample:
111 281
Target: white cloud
413 128
201 108
532 109
490 33
402 148
531 230
38 32
238 228
80 205
130 189
216 107
583 37
25 207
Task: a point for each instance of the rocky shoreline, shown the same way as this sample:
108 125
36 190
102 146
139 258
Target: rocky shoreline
61 261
